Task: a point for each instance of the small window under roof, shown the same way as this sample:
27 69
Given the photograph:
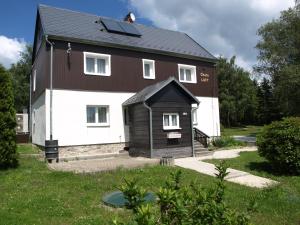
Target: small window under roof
120 27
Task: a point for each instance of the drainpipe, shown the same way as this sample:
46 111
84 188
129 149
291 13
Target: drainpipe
192 125
51 83
30 109
150 129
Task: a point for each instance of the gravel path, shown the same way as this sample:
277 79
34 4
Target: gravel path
97 165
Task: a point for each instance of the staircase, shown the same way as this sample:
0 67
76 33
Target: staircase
201 143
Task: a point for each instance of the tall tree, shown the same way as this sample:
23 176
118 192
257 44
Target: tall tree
237 94
267 110
21 79
8 155
279 58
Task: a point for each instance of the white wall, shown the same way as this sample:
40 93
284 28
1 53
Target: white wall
208 116
69 117
38 121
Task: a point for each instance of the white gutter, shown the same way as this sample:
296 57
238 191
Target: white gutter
51 83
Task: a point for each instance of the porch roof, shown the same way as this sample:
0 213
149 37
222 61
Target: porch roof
151 90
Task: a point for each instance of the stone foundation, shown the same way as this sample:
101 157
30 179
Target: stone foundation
90 150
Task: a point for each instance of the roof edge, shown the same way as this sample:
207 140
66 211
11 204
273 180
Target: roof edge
165 83
168 81
112 45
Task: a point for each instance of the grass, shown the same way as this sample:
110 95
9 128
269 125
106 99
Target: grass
33 194
27 149
226 142
242 131
283 200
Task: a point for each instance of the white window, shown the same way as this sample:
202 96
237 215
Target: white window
187 73
34 81
97 115
148 69
194 116
96 64
171 121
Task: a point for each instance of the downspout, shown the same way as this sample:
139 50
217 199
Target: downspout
150 129
51 83
30 107
192 126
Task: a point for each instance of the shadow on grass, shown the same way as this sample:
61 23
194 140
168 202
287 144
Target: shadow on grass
266 167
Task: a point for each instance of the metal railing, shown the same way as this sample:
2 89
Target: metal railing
201 137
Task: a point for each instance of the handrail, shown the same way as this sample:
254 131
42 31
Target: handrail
201 137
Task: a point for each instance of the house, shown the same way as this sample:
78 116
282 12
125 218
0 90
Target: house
100 85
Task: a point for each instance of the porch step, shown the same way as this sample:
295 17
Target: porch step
200 150
204 152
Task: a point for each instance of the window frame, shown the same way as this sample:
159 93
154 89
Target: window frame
97 124
193 73
149 61
34 81
170 121
107 59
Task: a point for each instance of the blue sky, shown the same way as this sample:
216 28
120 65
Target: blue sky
223 27
17 17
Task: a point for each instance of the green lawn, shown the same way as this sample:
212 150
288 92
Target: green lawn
33 194
240 131
283 198
27 149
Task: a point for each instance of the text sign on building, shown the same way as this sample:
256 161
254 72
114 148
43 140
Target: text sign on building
204 77
172 135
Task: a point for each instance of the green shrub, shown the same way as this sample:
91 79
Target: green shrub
8 147
178 204
279 143
226 141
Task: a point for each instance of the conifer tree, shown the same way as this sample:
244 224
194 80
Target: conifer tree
8 153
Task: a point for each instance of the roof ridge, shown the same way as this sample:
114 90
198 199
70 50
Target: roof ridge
105 17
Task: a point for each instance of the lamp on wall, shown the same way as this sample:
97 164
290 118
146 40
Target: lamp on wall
69 48
69 54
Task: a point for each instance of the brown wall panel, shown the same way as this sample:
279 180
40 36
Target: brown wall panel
41 65
126 70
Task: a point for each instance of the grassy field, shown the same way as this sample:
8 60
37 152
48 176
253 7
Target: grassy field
242 131
33 194
283 198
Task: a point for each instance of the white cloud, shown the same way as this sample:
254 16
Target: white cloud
225 28
10 49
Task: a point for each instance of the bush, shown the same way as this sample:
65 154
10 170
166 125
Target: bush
226 141
8 154
279 143
191 204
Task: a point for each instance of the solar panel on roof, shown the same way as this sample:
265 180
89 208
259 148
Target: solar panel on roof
112 26
129 29
120 27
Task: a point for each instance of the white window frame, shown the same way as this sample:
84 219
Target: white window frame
193 73
151 62
170 121
34 81
97 124
194 112
106 57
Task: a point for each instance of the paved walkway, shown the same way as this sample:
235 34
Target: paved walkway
235 176
107 164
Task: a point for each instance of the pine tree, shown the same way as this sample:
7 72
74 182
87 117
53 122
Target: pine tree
8 153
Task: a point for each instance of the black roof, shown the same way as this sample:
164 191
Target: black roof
76 26
151 90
